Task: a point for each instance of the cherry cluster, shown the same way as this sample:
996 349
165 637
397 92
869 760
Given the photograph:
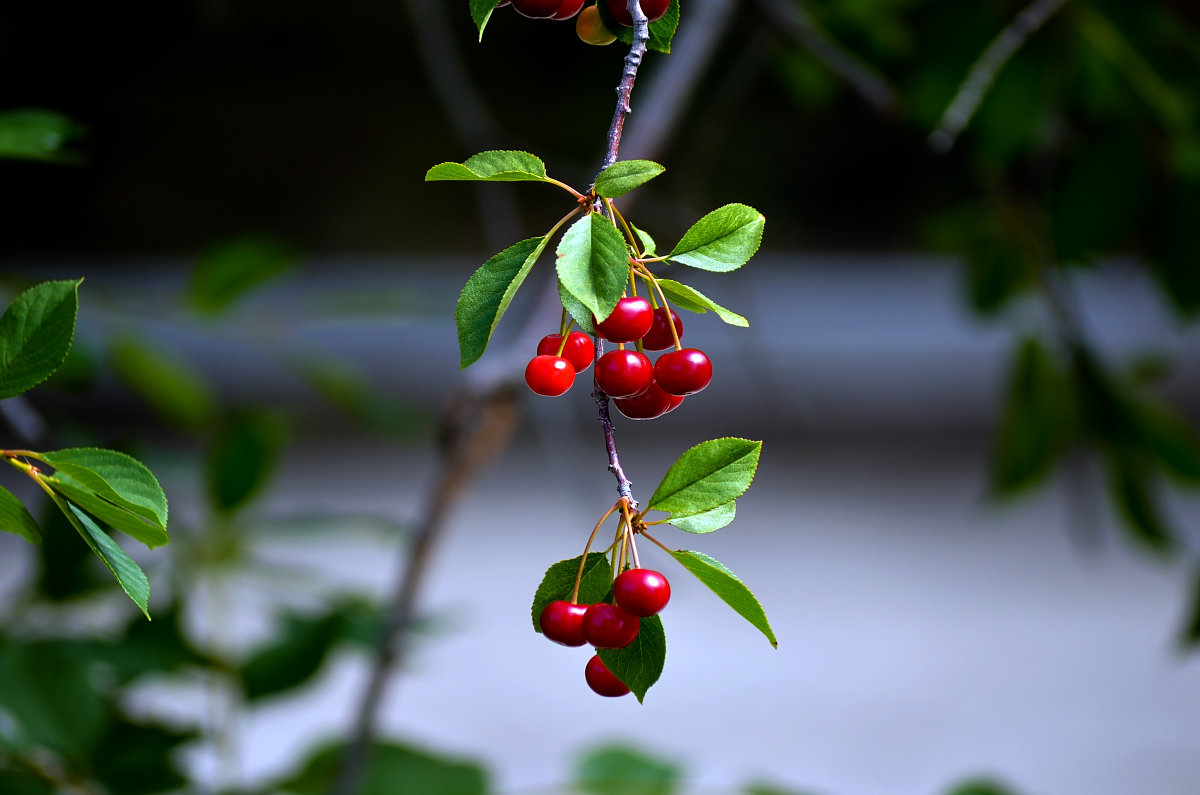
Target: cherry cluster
590 26
641 390
637 594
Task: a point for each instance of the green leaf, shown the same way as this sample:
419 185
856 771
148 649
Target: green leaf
1172 441
725 584
707 522
559 581
15 518
640 663
649 247
139 759
112 515
36 134
130 576
175 391
293 658
693 300
981 786
575 308
481 12
487 294
50 693
593 263
622 770
493 166
724 240
359 397
230 269
391 769
35 335
241 458
625 175
662 31
1032 429
116 477
707 476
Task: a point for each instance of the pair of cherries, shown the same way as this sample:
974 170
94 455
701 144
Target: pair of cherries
565 9
637 594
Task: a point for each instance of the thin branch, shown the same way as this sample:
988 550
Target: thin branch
641 37
983 73
794 18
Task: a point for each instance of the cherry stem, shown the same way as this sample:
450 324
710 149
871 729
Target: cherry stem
565 187
637 563
660 544
591 538
649 277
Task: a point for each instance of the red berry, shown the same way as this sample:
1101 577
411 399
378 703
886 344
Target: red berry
579 350
537 9
549 375
683 372
659 338
642 592
601 680
609 627
629 320
568 9
623 374
649 405
653 9
562 622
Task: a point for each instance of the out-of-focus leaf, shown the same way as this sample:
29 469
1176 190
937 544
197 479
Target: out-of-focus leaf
293 658
36 134
351 392
981 786
48 691
14 782
136 758
391 768
761 788
232 268
171 387
1032 429
1131 486
1189 637
623 770
1172 441
1174 247
242 457
1099 194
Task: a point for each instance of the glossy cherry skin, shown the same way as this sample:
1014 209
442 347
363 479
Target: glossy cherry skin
653 9
630 319
609 627
601 680
684 372
562 622
659 338
537 9
579 350
642 592
549 375
624 374
649 405
568 9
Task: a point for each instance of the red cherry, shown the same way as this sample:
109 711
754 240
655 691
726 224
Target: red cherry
601 680
549 375
536 9
609 627
684 372
623 374
642 592
659 338
579 350
562 622
649 405
653 9
568 9
630 319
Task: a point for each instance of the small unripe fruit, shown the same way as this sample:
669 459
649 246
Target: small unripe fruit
590 28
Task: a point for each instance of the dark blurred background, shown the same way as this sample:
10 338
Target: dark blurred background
972 357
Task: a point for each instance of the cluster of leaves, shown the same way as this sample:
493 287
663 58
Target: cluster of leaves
593 255
88 485
662 30
698 494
